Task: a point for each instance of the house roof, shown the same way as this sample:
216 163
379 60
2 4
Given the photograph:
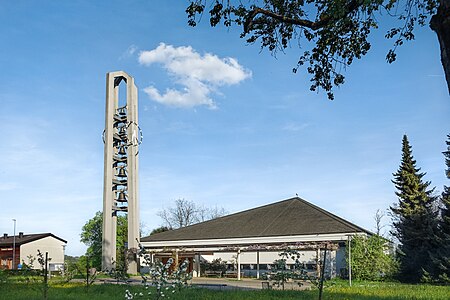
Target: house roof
26 238
289 217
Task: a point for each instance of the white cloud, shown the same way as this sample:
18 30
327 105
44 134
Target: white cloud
199 75
292 126
129 52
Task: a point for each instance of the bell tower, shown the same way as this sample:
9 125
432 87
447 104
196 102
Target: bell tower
122 137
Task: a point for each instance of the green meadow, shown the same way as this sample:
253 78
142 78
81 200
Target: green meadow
361 291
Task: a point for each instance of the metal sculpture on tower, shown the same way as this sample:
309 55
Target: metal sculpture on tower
122 137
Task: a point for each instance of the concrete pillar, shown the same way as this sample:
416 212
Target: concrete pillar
238 259
108 240
132 166
197 270
113 182
199 265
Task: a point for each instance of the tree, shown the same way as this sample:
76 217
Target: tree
91 235
370 259
333 33
209 213
414 219
182 215
379 215
442 259
159 230
186 213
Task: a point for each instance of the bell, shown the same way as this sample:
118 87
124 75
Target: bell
119 160
122 172
122 197
122 131
122 151
122 110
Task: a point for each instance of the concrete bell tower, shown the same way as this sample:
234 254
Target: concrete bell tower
122 137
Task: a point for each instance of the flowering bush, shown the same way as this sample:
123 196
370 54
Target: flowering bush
282 273
162 277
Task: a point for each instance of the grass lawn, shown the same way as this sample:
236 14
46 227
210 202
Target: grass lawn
362 291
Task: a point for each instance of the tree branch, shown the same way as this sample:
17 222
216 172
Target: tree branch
300 22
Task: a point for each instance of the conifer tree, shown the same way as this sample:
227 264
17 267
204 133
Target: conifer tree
414 219
443 255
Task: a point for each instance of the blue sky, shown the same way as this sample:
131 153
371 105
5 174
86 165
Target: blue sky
257 135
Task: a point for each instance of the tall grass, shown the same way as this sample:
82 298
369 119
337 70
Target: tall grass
360 291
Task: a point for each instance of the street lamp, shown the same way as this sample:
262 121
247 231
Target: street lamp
14 245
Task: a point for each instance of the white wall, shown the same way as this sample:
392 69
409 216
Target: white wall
49 244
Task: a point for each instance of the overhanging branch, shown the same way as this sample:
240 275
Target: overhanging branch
325 20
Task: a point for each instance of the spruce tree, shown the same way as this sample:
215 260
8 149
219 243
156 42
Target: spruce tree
414 219
443 255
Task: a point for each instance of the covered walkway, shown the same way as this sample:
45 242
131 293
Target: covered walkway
243 284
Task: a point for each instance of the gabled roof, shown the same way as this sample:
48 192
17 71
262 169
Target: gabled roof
289 217
26 238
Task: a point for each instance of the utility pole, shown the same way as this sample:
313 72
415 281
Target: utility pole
350 260
14 246
323 271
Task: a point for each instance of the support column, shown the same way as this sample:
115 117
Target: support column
175 263
318 261
108 237
197 269
238 259
122 137
349 260
133 172
257 264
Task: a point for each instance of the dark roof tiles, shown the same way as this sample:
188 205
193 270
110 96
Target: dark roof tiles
293 216
26 238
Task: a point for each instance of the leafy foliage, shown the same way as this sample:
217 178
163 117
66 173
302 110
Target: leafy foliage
217 265
370 258
4 277
159 230
43 262
332 33
281 272
91 235
167 277
119 272
414 219
442 257
37 279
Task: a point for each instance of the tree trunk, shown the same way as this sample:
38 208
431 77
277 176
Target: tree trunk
440 23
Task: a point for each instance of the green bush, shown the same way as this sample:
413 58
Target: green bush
371 258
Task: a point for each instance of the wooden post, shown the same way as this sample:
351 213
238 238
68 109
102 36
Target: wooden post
349 260
45 276
175 266
317 261
87 272
323 272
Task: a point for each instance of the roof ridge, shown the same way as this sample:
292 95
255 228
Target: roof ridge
281 213
335 217
236 213
266 220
